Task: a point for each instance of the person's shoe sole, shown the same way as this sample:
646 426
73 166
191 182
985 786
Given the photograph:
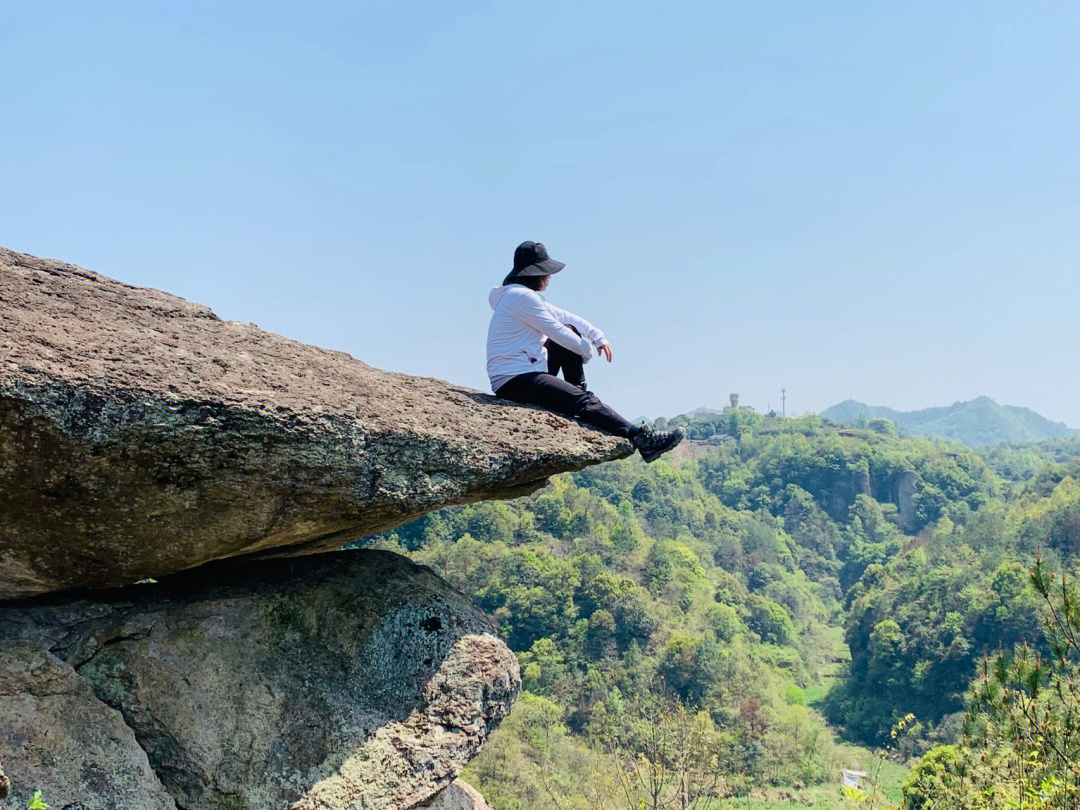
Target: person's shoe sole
678 435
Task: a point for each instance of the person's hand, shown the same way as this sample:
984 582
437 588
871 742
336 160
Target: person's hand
604 350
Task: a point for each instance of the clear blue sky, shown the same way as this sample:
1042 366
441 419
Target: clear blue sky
868 200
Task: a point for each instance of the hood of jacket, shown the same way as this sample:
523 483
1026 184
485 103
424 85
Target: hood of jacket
495 296
497 293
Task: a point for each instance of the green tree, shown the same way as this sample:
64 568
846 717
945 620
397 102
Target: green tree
1022 743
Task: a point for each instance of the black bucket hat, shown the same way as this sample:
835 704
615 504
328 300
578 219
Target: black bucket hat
531 259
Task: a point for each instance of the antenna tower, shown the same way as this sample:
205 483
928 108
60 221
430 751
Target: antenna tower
783 400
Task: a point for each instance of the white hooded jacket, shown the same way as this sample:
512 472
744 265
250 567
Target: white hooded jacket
520 325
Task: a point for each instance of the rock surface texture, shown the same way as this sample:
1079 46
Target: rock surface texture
459 796
58 737
141 435
340 681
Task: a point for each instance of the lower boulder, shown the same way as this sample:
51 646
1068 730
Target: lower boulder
57 737
343 680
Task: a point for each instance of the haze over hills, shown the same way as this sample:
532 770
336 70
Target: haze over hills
977 422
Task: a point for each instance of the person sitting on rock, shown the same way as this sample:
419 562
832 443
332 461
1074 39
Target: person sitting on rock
530 341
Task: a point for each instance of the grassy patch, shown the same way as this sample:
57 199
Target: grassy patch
828 796
886 777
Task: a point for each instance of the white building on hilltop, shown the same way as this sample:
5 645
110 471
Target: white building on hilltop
735 406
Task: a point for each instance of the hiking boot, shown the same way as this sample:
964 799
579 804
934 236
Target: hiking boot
652 443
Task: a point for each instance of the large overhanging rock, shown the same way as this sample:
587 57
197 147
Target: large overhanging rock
140 435
343 681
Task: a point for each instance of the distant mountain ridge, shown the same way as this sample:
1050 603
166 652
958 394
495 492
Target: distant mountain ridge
977 422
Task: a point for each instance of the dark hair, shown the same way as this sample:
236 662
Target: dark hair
532 282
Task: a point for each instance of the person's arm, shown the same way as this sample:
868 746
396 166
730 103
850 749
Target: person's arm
587 330
590 332
533 311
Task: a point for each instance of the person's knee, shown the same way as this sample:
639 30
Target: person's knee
575 403
588 401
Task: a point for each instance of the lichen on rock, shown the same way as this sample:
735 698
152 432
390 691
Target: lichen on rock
458 796
58 737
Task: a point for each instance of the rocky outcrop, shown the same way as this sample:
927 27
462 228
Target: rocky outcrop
140 435
342 681
459 796
57 737
907 482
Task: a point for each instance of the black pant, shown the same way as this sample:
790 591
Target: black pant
569 363
564 396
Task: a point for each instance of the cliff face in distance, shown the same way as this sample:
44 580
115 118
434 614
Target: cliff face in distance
143 435
142 438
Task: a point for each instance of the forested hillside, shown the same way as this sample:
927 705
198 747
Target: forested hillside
687 619
978 422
